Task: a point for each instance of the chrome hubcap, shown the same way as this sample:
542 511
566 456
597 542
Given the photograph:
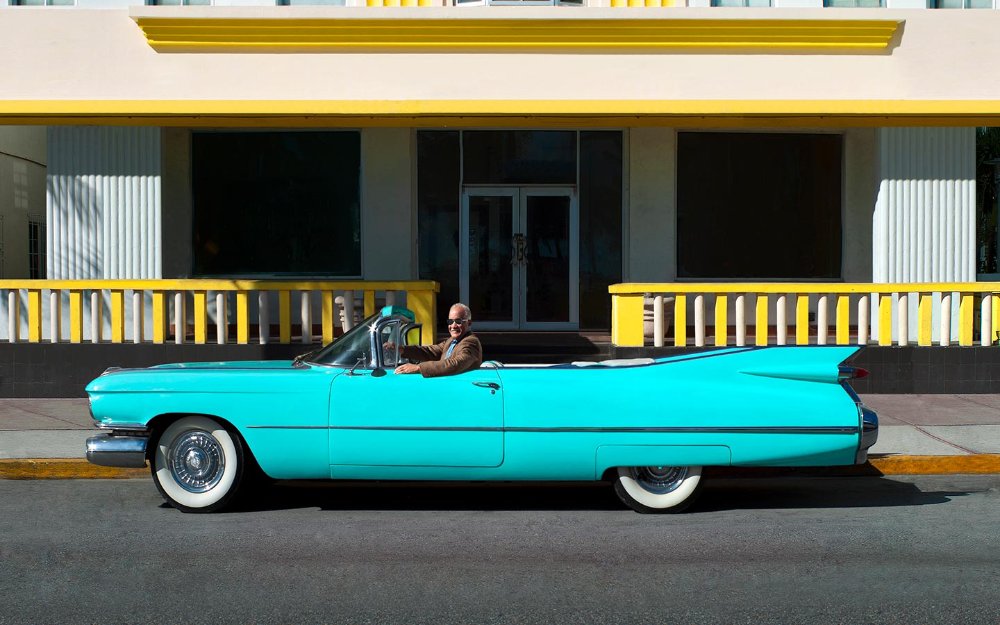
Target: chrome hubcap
196 461
659 480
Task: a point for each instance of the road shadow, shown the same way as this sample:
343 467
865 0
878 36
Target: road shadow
718 494
816 493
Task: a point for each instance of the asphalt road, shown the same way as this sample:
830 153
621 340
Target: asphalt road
779 550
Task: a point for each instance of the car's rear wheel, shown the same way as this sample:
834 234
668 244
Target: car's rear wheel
197 464
658 489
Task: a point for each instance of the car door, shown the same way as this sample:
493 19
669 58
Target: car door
410 420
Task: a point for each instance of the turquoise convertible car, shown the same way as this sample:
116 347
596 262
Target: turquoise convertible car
650 426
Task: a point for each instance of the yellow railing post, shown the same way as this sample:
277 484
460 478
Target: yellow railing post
843 319
200 317
117 316
35 315
424 306
242 317
159 317
924 306
328 316
285 316
369 303
680 320
885 319
721 320
802 319
626 320
965 318
760 329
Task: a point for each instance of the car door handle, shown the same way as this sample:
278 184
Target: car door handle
490 385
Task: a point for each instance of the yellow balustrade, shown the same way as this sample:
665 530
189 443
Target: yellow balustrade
156 298
962 297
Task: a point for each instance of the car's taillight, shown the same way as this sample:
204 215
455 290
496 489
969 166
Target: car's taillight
852 373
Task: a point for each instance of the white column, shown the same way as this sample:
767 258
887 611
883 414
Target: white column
924 223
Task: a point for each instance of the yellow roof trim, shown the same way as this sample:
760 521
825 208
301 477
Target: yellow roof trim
13 109
434 34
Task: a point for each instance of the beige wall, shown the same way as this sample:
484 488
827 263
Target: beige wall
388 213
651 207
860 194
86 54
22 194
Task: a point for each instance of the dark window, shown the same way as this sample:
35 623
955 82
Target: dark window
987 201
278 203
759 206
600 224
519 157
36 249
438 171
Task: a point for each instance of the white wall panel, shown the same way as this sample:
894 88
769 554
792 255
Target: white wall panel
104 203
924 226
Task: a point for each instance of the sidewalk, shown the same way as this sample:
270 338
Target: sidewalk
917 434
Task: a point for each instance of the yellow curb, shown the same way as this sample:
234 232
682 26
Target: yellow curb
74 468
62 469
936 465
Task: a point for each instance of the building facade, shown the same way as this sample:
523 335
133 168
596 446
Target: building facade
524 157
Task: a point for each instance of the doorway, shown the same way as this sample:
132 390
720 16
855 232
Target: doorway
519 257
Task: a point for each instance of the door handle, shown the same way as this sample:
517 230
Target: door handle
493 386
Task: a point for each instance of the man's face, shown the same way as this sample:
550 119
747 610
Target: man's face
457 329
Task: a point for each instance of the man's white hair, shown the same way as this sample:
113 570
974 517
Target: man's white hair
466 311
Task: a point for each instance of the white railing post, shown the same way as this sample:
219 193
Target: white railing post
741 320
306 312
348 310
55 316
263 319
903 320
221 319
180 319
781 320
13 321
986 320
658 320
945 319
390 298
822 322
863 312
96 313
138 315
699 320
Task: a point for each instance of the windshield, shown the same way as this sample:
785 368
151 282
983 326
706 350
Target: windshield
352 347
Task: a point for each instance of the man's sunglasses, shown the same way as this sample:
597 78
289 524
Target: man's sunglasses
456 322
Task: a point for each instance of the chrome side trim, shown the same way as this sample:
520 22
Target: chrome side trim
139 427
670 430
117 451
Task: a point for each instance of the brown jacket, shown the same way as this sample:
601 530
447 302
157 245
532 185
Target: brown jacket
467 355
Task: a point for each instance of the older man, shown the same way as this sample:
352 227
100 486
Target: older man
456 354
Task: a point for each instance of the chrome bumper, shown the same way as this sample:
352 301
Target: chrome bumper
110 450
869 433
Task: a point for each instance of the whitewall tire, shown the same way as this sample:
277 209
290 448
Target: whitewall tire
197 464
658 489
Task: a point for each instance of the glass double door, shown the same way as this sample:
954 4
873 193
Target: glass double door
519 257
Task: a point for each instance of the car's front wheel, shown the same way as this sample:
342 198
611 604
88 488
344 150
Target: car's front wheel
658 489
198 464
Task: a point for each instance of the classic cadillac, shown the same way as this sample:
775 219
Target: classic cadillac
649 426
